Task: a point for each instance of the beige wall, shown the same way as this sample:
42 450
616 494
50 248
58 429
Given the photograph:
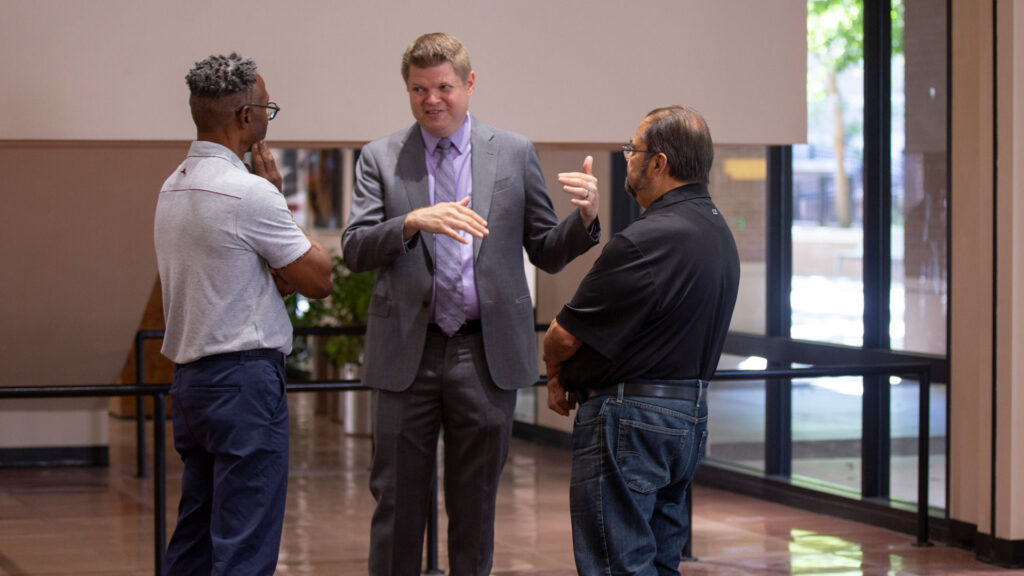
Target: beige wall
972 208
970 311
1017 288
1010 318
54 422
76 240
566 71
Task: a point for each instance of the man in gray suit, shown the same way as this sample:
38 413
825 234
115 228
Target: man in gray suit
443 211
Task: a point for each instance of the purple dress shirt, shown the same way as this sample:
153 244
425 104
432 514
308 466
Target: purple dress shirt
463 189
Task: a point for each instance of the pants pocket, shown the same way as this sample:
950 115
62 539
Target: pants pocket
648 454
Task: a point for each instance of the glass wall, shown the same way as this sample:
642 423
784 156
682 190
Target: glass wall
918 301
827 419
826 416
919 178
903 459
827 297
736 426
828 180
738 187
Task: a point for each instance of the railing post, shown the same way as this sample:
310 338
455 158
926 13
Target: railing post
923 453
159 484
876 435
778 425
140 407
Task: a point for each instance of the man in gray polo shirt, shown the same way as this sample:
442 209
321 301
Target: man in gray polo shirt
229 252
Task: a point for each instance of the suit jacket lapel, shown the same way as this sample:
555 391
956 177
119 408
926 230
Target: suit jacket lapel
484 168
412 172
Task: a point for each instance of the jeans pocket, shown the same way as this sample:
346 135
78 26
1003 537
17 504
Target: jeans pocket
702 446
587 430
647 454
590 412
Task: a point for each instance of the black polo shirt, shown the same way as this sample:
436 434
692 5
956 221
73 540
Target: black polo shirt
658 301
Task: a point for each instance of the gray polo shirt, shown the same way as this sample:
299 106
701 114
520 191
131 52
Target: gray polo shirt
218 230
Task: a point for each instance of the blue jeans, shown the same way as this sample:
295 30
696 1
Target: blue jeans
632 462
231 429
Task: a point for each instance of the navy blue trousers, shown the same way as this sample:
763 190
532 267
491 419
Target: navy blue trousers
230 416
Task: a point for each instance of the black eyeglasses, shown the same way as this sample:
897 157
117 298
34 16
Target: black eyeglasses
628 150
272 109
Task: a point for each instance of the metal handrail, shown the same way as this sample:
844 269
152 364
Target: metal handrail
159 392
920 370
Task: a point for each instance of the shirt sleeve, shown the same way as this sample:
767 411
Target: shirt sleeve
614 300
266 225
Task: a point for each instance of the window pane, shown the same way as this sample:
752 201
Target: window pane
827 422
904 419
827 298
919 195
738 188
828 240
736 421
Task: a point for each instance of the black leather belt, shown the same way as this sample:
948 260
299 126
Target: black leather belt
470 327
674 389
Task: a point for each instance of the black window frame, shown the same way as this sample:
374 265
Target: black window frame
874 504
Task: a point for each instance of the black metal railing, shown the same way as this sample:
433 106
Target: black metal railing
159 392
921 371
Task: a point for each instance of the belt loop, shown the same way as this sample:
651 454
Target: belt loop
702 386
618 397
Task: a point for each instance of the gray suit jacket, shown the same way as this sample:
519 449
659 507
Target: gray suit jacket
510 194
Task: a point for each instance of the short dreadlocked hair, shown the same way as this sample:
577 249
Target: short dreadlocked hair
219 76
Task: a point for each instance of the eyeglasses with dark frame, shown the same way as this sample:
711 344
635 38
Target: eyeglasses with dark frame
628 150
272 109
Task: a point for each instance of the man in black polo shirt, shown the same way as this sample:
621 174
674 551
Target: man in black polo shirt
637 345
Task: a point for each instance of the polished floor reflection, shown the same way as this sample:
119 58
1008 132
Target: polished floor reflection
99 521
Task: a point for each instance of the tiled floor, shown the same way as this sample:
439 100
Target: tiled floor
99 521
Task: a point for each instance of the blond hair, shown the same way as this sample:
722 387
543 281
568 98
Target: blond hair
434 49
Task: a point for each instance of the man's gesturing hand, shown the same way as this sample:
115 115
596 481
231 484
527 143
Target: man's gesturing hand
583 187
447 218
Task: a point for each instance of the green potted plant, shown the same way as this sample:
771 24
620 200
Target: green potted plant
346 305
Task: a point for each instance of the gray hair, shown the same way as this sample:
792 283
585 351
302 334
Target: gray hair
220 76
682 135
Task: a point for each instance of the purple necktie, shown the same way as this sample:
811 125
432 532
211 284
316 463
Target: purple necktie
449 310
